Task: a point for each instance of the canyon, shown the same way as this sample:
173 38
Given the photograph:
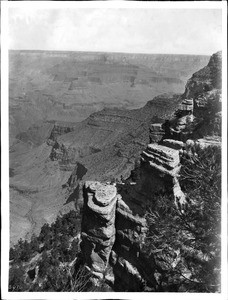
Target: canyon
145 184
69 86
115 216
78 116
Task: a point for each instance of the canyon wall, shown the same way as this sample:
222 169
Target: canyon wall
114 223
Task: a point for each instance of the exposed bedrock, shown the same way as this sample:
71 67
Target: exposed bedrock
178 145
164 159
156 132
59 129
132 268
98 225
163 164
114 227
206 78
66 156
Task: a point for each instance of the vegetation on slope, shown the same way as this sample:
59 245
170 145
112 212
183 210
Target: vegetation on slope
47 262
186 242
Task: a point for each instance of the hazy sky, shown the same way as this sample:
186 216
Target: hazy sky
187 31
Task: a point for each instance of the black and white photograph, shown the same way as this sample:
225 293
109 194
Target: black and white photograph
113 150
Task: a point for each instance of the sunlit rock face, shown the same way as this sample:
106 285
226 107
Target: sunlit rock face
162 158
114 229
98 225
114 224
186 105
208 141
164 163
177 145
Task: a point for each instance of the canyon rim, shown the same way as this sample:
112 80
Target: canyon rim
115 150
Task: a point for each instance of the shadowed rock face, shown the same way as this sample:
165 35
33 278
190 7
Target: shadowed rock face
114 225
112 235
206 79
52 94
156 132
158 172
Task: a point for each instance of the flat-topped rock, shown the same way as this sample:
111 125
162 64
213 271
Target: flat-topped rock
163 151
164 159
168 164
174 144
98 225
208 141
103 193
204 142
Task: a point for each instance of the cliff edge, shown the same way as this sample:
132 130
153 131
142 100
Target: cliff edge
115 222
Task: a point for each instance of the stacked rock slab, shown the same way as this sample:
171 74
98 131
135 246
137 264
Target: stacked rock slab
162 158
156 132
187 105
166 161
98 226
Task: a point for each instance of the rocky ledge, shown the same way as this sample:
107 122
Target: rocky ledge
114 222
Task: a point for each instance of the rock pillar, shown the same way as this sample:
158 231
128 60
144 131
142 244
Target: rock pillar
98 226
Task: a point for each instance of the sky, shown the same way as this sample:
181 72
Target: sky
131 30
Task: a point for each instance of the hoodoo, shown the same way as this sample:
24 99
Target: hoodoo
147 187
98 226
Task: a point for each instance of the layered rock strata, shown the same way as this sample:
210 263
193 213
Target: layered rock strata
162 158
98 226
114 226
177 145
165 160
156 132
186 105
114 230
132 268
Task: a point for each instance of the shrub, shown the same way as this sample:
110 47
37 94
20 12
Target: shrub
186 245
16 279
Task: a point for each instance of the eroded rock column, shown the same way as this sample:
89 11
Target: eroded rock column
98 226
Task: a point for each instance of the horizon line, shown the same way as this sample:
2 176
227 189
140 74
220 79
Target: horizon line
117 52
